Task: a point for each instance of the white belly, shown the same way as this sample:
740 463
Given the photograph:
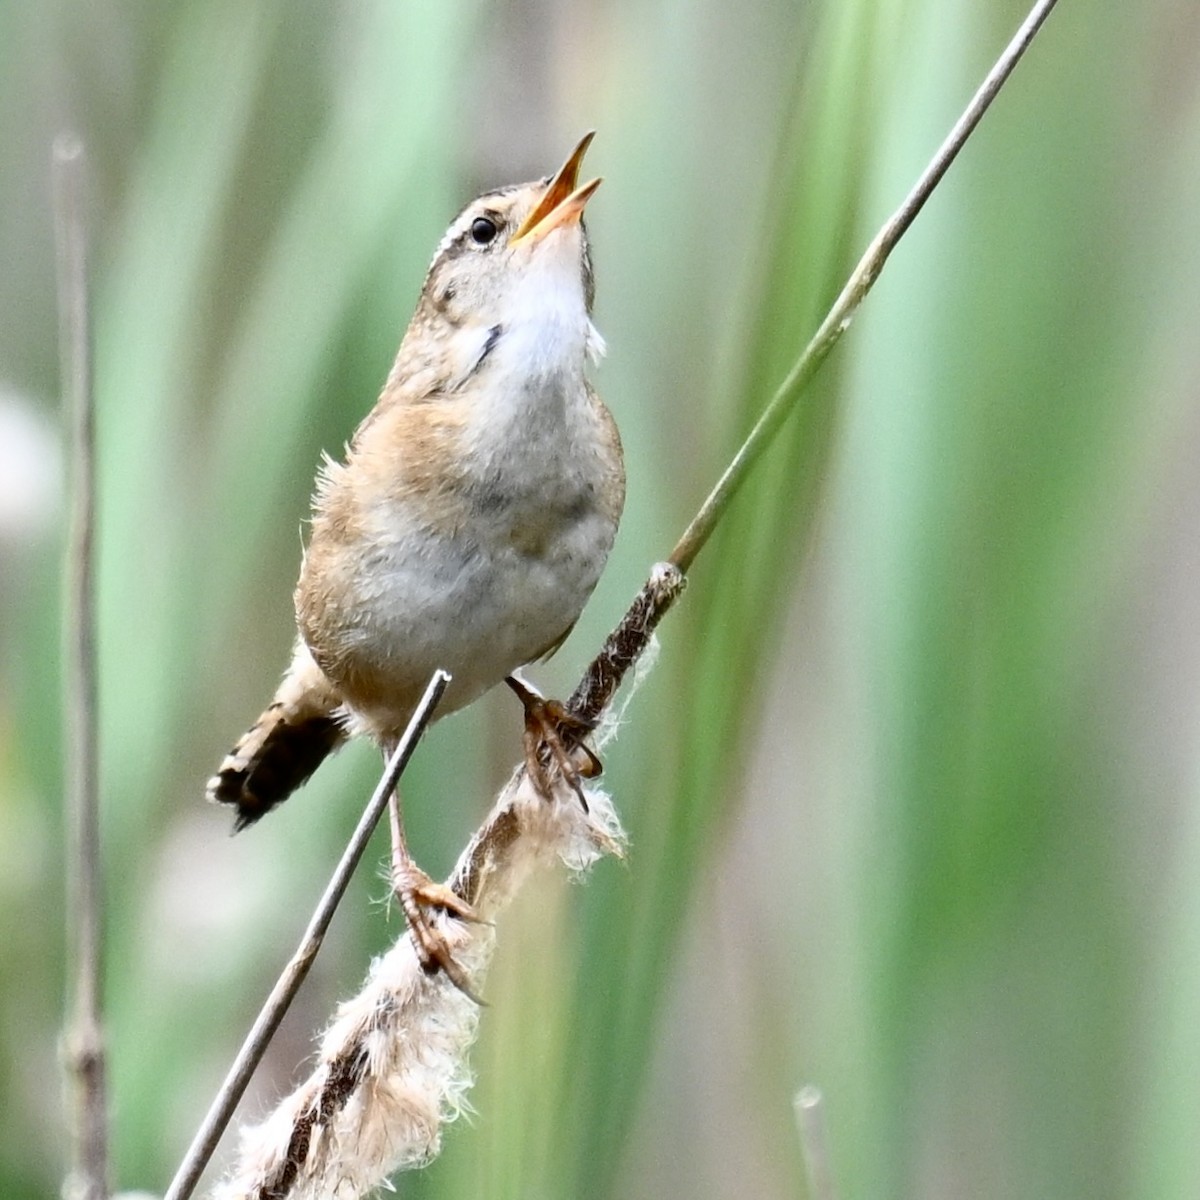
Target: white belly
474 605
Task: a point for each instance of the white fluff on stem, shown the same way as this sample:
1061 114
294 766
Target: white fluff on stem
392 1069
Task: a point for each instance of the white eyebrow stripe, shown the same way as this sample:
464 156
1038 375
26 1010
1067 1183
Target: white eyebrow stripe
454 232
481 204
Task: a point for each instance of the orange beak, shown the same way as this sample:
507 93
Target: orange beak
562 202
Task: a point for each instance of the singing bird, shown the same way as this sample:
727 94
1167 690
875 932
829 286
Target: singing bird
470 519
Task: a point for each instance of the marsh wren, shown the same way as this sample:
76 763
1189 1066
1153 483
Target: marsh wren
471 518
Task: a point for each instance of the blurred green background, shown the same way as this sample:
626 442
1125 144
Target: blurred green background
914 789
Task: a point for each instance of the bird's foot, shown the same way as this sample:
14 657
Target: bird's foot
419 896
554 734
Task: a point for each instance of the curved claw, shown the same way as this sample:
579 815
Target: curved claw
418 894
546 723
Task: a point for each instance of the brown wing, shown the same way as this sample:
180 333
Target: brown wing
612 494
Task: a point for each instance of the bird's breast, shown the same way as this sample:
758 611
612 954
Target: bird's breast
475 554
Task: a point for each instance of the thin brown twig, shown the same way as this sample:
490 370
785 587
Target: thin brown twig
282 994
83 1040
862 279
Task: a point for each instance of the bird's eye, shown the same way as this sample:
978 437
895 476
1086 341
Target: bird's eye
483 231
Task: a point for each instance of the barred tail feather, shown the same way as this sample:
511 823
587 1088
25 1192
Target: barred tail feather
296 733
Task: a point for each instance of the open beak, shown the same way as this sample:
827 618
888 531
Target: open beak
562 202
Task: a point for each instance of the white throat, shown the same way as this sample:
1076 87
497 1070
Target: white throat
546 326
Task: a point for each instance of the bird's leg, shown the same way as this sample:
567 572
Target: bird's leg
418 894
552 732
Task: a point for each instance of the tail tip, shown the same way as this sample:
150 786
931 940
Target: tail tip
269 763
229 786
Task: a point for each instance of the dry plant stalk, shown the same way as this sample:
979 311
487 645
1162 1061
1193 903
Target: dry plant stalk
392 1067
83 1036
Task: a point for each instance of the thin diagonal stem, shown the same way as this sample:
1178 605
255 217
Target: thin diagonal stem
285 989
83 1043
861 280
